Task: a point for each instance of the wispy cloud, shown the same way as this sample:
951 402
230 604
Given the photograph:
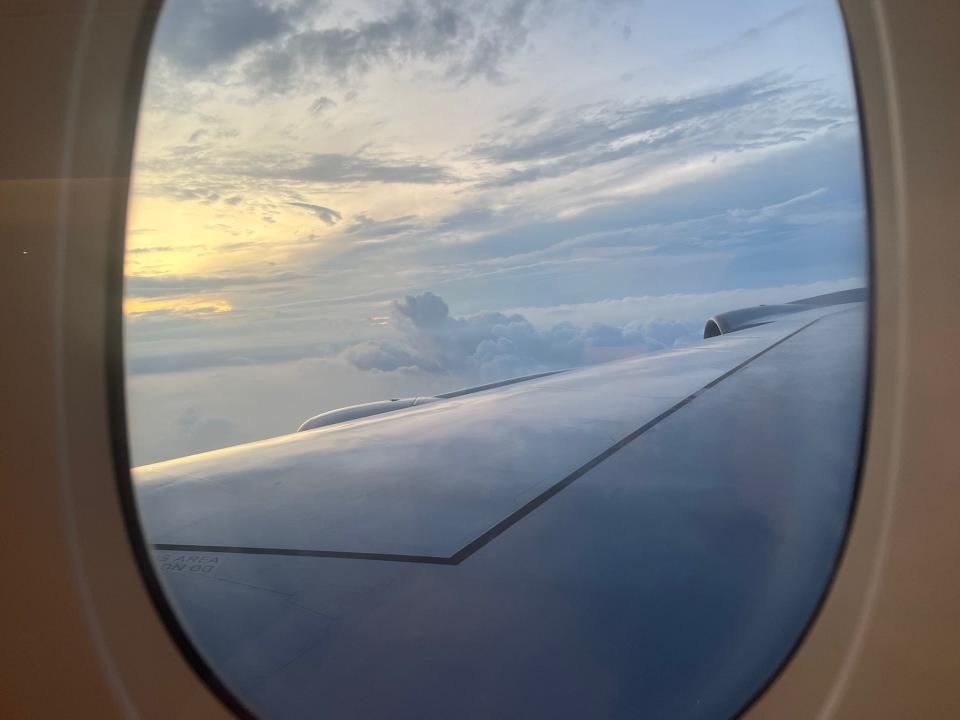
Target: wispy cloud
467 39
321 104
750 35
203 33
327 215
365 229
336 168
755 113
174 285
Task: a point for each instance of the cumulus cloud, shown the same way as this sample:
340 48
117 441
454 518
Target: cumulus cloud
499 345
387 356
423 311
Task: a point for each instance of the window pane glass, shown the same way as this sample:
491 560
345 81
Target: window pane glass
496 359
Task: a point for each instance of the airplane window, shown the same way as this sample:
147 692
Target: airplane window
496 359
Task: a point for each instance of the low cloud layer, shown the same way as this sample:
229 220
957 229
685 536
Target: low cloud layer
193 385
200 432
499 345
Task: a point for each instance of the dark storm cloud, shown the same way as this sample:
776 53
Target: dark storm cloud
327 215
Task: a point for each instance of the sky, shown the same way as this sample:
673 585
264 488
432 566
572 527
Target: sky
341 202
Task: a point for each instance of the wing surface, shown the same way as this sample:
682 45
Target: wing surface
429 481
646 538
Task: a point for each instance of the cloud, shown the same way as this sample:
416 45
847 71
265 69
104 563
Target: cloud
681 309
745 206
161 248
190 192
318 106
760 112
207 174
750 34
365 229
194 172
194 35
499 345
605 123
327 215
201 433
174 285
421 337
466 39
259 400
337 168
252 355
386 357
423 311
504 34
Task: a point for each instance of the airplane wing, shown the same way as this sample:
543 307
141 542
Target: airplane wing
638 538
